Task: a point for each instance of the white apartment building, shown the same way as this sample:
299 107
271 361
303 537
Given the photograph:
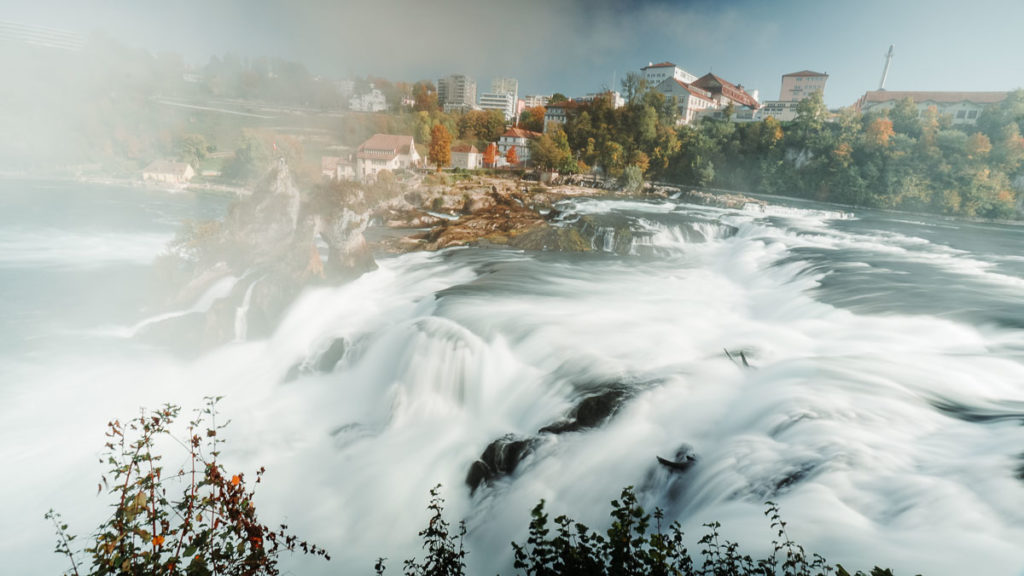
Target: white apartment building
657 73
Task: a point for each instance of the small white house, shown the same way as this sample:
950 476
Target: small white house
168 172
467 157
372 101
385 152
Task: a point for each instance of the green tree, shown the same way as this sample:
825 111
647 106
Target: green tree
634 85
193 149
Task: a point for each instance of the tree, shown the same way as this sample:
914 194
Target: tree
634 85
511 156
440 153
424 95
879 132
557 98
533 119
551 152
490 154
192 148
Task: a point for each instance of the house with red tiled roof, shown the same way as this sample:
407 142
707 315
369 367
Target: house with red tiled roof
724 92
961 107
689 99
385 152
655 74
467 157
520 140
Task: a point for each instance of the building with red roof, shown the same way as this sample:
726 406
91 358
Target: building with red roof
385 152
724 92
961 107
657 73
520 140
690 100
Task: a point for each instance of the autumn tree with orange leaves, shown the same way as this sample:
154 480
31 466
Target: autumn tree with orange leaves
511 157
440 153
490 154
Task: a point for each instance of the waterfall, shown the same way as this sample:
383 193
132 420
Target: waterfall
242 313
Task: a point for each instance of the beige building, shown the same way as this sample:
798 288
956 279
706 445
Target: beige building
168 172
385 152
456 92
961 107
799 85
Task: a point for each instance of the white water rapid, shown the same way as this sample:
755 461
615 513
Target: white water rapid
882 409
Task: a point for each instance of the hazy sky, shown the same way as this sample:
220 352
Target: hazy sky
579 46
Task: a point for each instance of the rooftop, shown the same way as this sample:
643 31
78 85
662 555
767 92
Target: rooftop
659 65
938 97
806 73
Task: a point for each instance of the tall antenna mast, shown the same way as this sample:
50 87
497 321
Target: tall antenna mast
888 62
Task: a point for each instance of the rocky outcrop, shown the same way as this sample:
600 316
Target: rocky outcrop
498 460
591 411
275 242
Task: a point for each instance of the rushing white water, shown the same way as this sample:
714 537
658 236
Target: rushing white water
882 410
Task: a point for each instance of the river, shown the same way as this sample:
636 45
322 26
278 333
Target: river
882 407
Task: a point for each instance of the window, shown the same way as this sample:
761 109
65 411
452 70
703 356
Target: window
972 114
960 114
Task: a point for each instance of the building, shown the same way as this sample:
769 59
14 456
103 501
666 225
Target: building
520 140
690 100
614 98
372 101
799 85
499 101
657 73
337 168
385 152
557 114
466 157
456 92
724 92
961 107
781 110
536 100
506 85
168 172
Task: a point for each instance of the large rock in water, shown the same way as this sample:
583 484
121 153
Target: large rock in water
498 460
591 412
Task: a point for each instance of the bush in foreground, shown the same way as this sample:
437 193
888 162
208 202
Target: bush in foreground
210 528
628 548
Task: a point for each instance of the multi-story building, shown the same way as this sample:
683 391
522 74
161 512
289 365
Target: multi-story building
520 140
502 101
724 92
558 114
502 85
961 107
372 101
657 73
385 152
799 85
614 98
690 99
456 92
536 100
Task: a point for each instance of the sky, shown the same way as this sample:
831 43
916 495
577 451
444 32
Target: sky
580 46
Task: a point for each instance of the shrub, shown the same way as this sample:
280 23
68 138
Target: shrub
211 528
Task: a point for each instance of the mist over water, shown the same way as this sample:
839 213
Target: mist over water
882 411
